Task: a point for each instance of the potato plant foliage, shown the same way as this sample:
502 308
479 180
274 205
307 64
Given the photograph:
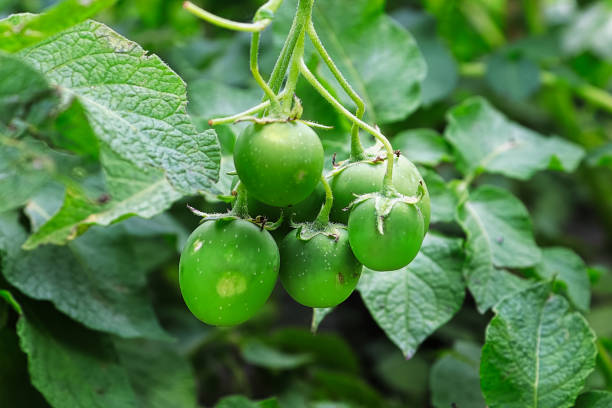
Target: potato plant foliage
306 203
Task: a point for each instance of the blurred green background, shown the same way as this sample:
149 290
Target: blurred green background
494 48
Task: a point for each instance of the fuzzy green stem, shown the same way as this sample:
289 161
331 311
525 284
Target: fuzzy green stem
294 73
241 208
357 152
233 118
323 217
254 66
388 179
282 63
302 19
224 22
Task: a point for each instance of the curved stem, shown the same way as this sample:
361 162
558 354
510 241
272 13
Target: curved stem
254 66
302 18
356 147
323 217
241 208
387 181
224 22
233 118
294 72
280 67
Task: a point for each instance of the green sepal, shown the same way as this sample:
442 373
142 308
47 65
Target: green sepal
308 230
384 203
260 221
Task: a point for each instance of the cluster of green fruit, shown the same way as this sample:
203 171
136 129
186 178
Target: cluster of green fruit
230 264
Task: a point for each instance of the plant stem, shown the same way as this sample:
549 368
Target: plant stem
281 64
241 208
357 152
533 15
224 22
594 95
294 72
254 65
302 18
388 179
323 217
233 118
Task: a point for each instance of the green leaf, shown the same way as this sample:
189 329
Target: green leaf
590 31
512 76
565 266
411 303
485 140
260 354
22 30
379 58
15 387
327 350
423 146
594 399
26 167
443 199
160 377
70 365
138 111
131 191
73 132
318 314
537 353
454 378
26 98
499 235
97 279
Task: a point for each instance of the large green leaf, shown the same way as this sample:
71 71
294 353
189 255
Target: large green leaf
138 111
454 378
499 235
537 353
378 57
566 267
70 365
160 377
131 191
486 141
411 303
98 279
21 30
